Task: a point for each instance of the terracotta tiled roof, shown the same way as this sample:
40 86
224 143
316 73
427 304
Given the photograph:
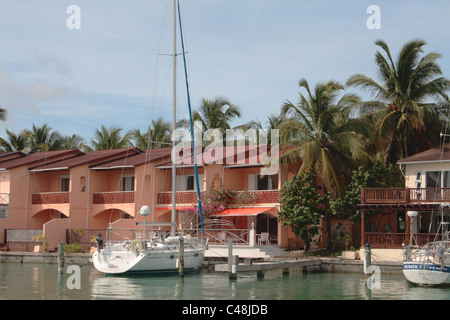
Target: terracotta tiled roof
38 158
250 156
88 158
439 153
5 156
136 160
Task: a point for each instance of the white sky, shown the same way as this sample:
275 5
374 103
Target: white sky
252 52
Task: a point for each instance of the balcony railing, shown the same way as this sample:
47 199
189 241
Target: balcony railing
50 198
244 198
252 197
113 197
396 240
404 195
181 197
4 199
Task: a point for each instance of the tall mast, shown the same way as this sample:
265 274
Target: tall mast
174 115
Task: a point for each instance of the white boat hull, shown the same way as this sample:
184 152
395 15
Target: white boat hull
426 273
117 259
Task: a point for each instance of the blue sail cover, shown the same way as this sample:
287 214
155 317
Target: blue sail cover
191 123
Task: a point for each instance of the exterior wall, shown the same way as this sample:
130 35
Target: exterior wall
18 217
412 168
5 182
55 231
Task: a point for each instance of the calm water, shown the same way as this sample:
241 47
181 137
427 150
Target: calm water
41 281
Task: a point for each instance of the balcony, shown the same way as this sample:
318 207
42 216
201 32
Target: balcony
242 198
404 195
397 240
113 197
4 199
181 197
50 198
254 197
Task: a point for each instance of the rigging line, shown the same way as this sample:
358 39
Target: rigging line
190 117
119 183
442 147
158 62
155 103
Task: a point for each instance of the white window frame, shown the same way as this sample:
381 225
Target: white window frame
127 181
182 182
418 179
253 182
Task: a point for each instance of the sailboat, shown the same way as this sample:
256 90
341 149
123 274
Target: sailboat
429 265
175 253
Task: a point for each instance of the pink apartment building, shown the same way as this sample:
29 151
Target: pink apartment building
51 193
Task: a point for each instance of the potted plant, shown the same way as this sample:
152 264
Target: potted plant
349 252
40 247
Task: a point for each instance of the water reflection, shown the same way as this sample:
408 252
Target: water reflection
38 281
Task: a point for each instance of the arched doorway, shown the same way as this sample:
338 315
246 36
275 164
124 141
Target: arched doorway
44 216
104 218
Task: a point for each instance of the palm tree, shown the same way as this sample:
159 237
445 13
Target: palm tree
15 142
406 112
216 113
109 138
324 136
44 139
158 131
72 142
273 121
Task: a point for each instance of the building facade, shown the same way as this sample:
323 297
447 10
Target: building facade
54 193
413 212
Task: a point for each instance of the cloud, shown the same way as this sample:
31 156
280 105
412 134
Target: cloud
53 63
16 96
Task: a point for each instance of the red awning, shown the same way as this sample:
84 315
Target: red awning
236 212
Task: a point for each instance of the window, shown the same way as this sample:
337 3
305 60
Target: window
83 184
128 183
124 215
418 179
433 179
190 183
187 182
258 182
446 179
433 182
3 212
64 184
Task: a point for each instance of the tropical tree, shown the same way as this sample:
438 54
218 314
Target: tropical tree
15 142
158 135
273 121
72 142
371 175
324 136
44 139
109 138
214 114
301 205
407 110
